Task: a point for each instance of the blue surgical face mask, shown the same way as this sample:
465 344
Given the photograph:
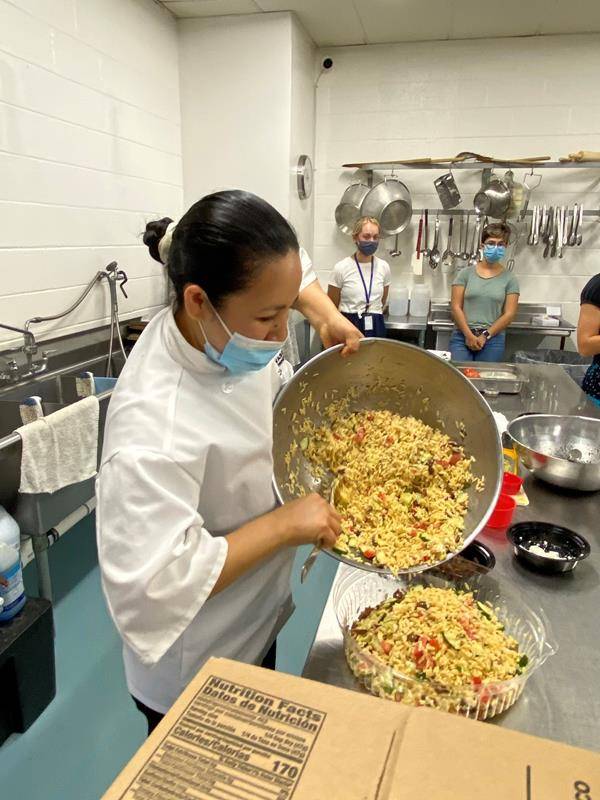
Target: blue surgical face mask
494 252
367 248
241 354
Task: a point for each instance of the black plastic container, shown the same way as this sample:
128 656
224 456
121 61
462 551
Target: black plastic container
572 547
475 559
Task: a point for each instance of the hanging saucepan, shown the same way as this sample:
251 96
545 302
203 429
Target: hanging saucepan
348 211
493 200
390 203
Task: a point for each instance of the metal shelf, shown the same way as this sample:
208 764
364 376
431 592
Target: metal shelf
448 165
464 211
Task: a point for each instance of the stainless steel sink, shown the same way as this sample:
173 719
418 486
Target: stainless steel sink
55 390
10 418
37 514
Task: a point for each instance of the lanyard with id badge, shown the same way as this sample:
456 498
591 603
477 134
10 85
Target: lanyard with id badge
368 319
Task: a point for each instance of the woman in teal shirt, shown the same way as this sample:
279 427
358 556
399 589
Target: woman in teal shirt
485 299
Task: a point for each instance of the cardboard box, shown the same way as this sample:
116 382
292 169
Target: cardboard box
244 733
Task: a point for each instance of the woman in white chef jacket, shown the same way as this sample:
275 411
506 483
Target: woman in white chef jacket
195 558
359 284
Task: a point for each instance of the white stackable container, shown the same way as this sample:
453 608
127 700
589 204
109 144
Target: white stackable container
399 301
420 300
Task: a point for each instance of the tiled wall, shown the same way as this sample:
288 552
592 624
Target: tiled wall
503 97
90 149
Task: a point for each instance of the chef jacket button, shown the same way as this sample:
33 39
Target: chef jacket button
227 387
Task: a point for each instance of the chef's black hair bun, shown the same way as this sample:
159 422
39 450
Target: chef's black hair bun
154 233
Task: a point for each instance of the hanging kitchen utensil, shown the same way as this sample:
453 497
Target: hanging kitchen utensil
390 203
540 224
554 234
510 264
520 227
464 255
529 186
348 212
548 232
396 251
447 191
562 224
572 237
448 257
474 254
517 195
580 226
493 199
425 249
565 232
435 255
534 218
419 235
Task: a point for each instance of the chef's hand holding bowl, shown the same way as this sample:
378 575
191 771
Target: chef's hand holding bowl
331 325
194 553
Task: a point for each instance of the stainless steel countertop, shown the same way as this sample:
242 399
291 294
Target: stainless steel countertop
406 323
562 700
440 319
563 329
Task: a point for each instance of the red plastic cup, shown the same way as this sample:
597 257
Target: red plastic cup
511 484
503 512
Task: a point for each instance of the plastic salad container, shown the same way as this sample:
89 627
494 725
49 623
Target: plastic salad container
356 591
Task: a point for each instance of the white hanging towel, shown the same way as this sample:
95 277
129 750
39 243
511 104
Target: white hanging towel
60 449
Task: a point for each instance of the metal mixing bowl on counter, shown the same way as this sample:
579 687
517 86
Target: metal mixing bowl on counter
357 593
388 375
562 450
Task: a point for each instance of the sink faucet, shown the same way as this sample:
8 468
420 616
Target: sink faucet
13 372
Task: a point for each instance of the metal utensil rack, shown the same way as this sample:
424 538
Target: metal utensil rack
385 166
464 211
389 166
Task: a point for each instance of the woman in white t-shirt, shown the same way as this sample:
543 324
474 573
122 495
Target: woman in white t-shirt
359 284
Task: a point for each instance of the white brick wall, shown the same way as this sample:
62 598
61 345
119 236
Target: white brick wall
236 86
90 149
503 97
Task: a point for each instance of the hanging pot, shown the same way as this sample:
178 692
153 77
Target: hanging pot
390 203
348 210
493 199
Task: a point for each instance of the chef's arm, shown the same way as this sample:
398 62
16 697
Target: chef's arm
334 295
458 314
588 330
332 327
160 564
308 520
509 312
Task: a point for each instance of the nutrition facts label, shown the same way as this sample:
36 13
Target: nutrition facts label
232 743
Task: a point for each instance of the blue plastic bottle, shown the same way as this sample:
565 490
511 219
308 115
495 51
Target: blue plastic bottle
12 591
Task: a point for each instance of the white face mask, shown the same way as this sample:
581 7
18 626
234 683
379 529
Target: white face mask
241 354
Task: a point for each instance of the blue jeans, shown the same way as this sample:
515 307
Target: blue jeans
493 350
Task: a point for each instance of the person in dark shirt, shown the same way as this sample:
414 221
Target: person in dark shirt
588 336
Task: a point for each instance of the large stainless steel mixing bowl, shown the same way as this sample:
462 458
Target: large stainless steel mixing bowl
404 379
562 450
